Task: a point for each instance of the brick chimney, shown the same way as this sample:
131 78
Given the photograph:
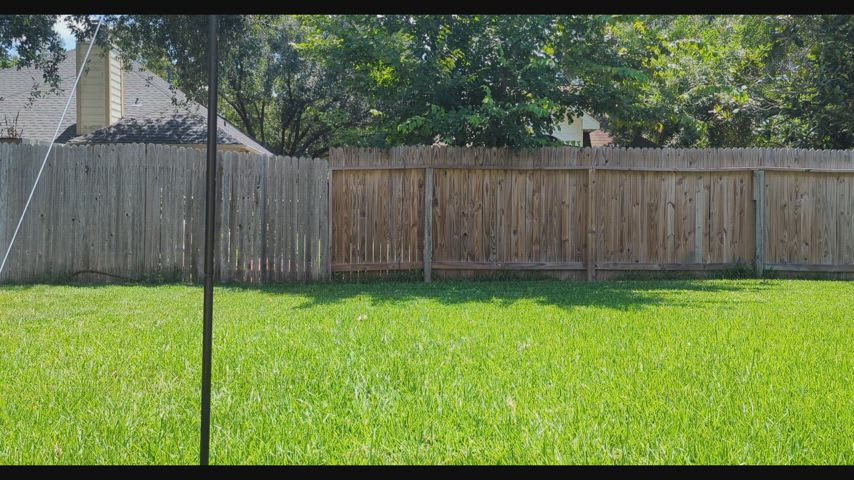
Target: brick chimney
100 91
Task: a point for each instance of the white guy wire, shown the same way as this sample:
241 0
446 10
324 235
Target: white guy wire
50 147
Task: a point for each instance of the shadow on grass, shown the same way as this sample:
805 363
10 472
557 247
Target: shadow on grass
620 295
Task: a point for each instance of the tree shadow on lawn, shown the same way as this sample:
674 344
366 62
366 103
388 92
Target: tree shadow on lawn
618 295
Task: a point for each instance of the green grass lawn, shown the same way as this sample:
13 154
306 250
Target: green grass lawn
718 371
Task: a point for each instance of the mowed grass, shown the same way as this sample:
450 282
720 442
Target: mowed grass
718 371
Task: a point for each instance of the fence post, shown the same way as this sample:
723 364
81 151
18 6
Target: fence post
328 250
759 214
428 223
591 224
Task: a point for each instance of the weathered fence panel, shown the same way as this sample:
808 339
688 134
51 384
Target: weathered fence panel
809 221
138 211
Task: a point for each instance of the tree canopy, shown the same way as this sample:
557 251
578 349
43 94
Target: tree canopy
738 81
300 84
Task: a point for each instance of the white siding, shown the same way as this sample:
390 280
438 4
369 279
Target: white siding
571 133
116 87
589 123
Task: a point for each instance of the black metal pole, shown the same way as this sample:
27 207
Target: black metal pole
210 197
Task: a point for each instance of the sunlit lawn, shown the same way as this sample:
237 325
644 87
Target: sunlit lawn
718 371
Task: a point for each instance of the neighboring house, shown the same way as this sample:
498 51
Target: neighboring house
582 131
111 105
598 138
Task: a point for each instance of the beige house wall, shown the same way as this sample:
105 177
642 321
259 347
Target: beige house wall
99 93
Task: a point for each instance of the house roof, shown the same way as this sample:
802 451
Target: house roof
159 127
151 115
600 138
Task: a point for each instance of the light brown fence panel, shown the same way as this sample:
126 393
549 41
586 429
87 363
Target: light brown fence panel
657 219
809 221
645 209
377 220
491 219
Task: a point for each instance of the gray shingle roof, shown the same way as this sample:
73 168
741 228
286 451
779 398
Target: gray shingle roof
159 127
150 114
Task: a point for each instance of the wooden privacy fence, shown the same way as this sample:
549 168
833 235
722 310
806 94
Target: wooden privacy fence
589 210
138 210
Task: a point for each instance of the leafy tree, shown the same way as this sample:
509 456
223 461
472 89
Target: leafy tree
809 92
300 84
31 41
735 81
692 92
173 42
605 58
455 79
288 102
